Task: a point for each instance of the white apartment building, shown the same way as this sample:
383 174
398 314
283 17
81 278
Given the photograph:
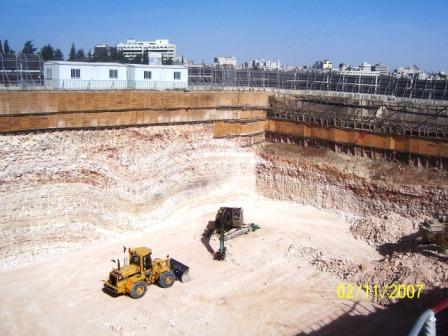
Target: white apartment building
381 68
113 76
133 48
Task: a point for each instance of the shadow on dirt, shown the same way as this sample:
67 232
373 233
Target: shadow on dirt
410 243
396 319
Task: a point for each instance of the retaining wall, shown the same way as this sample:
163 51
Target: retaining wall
234 113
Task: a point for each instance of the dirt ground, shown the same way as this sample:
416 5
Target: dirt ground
265 287
71 200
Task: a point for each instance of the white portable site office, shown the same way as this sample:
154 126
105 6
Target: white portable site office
113 76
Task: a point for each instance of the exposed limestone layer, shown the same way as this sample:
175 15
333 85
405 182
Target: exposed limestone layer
286 175
65 189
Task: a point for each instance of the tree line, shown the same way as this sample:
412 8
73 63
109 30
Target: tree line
49 53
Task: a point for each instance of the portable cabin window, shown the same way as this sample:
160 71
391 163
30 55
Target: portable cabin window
49 73
176 74
75 73
147 75
113 73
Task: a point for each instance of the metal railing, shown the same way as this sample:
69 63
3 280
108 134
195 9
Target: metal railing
80 84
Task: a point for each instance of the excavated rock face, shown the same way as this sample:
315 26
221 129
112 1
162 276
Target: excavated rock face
347 185
67 188
384 203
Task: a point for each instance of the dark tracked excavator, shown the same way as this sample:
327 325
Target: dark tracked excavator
229 223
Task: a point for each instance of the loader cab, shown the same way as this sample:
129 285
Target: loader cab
141 257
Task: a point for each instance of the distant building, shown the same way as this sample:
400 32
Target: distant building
409 72
182 61
132 49
104 52
323 65
262 64
343 67
154 58
381 68
365 67
225 61
106 76
289 68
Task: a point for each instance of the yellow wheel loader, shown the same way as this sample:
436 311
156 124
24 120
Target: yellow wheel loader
133 279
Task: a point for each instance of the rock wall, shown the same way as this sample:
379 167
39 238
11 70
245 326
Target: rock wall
308 180
64 189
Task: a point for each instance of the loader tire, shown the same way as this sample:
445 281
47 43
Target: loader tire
138 290
167 279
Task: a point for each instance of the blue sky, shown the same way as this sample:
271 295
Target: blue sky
395 32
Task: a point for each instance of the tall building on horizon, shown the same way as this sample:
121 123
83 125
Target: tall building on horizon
133 48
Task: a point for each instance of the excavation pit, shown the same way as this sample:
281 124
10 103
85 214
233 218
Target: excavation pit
72 198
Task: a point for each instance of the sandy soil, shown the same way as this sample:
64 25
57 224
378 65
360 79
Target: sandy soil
265 287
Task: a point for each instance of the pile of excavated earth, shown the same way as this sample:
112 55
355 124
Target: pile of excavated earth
71 199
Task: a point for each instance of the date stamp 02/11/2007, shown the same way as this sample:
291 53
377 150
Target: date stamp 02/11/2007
349 291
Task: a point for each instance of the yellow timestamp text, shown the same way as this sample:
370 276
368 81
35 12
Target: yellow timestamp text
349 291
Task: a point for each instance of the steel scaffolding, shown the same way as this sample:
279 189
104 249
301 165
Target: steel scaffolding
21 70
401 118
217 78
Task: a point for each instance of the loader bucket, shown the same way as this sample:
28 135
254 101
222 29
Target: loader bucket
180 270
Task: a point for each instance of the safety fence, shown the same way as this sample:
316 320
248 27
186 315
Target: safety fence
25 72
80 84
334 81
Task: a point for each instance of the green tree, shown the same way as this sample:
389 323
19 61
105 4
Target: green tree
1 47
89 55
80 55
47 52
120 58
6 48
58 55
145 58
72 55
28 48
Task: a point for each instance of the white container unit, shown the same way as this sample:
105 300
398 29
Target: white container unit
85 76
158 77
113 76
